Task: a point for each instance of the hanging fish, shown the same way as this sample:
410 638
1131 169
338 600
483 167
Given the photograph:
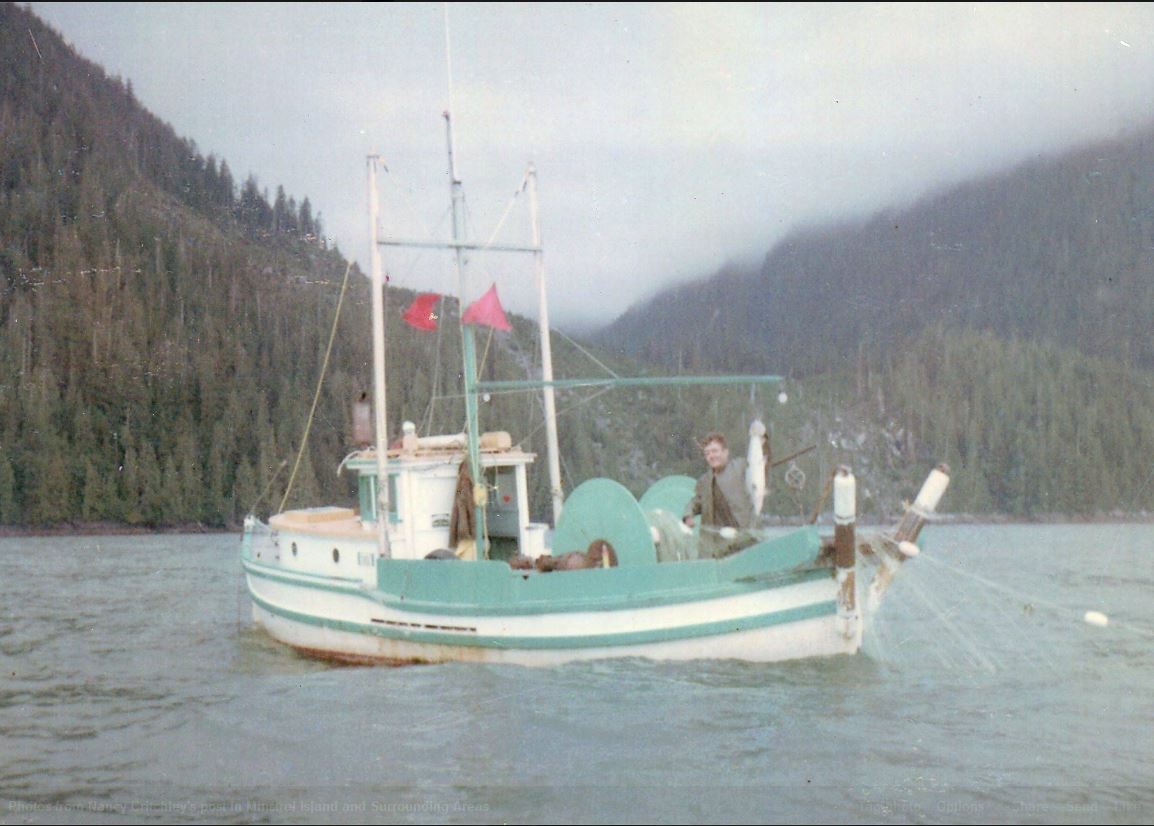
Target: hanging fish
757 458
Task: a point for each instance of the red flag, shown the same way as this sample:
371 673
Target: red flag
421 313
487 310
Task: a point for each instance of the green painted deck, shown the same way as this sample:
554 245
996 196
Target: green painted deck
489 588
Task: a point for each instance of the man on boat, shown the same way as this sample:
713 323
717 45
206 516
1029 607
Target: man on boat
722 502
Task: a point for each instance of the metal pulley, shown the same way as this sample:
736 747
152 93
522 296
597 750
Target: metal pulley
795 476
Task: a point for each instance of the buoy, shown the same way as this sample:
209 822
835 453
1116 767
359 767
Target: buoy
1096 618
409 439
782 397
909 549
931 492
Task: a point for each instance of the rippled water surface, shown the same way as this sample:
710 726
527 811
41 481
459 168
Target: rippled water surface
135 688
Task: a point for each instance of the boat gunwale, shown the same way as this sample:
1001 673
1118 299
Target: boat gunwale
623 600
469 637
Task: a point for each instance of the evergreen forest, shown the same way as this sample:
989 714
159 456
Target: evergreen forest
1002 326
163 327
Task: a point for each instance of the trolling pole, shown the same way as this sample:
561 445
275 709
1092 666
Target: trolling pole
844 543
900 546
554 453
924 506
378 304
468 354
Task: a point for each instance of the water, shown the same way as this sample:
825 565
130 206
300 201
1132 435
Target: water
134 688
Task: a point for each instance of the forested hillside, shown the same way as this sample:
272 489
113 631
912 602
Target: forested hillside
1060 250
143 298
162 328
1003 326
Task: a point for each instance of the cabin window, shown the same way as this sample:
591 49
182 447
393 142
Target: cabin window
366 494
367 498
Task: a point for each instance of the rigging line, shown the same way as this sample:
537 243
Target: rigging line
435 385
415 212
592 357
564 410
569 477
504 215
1141 490
950 605
512 391
508 209
264 492
1061 609
600 392
485 352
481 266
412 266
530 411
320 383
953 628
1010 619
481 363
497 230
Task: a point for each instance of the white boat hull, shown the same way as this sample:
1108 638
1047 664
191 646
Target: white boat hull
808 638
350 622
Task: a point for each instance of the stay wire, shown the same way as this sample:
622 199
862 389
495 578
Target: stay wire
320 383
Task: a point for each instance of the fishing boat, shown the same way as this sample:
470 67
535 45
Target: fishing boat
441 561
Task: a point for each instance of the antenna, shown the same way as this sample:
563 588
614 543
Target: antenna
449 76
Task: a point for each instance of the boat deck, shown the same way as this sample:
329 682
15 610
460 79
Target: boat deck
327 521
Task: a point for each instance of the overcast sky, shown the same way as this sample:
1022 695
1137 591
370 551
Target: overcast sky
668 139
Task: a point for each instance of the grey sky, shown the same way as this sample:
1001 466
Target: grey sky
668 139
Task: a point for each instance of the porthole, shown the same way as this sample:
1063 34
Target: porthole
336 555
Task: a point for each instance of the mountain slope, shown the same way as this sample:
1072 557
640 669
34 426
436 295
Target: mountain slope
1002 326
143 297
1059 250
162 329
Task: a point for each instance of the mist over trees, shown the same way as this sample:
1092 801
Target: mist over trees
163 325
1043 276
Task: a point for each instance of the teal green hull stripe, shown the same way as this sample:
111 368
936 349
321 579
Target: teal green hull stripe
588 590
709 629
319 583
340 584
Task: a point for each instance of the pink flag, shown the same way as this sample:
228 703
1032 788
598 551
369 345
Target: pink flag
421 313
487 311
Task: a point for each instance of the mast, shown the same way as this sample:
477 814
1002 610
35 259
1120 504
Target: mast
546 357
379 422
468 354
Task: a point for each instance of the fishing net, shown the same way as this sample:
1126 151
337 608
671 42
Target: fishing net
675 542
